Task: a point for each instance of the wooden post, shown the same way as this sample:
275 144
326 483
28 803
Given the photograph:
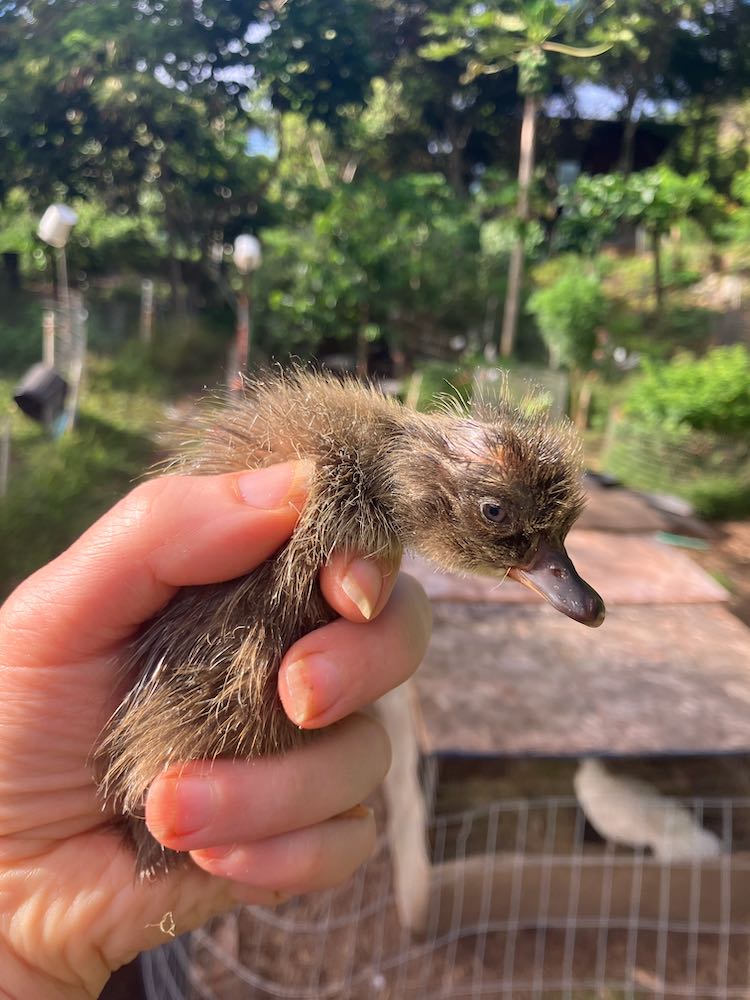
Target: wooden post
243 331
147 310
48 337
407 811
4 457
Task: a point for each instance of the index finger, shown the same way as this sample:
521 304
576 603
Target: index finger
167 533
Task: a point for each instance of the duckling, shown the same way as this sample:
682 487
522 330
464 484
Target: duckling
494 492
628 811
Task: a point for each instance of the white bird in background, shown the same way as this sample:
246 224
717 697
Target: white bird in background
634 813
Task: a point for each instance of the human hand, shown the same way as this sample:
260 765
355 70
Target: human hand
71 910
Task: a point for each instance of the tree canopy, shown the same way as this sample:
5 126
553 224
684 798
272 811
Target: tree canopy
370 143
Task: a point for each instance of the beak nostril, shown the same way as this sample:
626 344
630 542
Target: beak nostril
552 575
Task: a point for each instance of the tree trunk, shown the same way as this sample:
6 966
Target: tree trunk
177 287
457 136
11 264
583 405
658 279
455 172
630 125
515 268
363 345
697 128
627 149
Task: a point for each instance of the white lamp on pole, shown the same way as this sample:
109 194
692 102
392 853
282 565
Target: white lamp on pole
247 253
55 225
54 228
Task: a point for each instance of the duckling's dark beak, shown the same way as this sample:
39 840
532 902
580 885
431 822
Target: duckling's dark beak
552 575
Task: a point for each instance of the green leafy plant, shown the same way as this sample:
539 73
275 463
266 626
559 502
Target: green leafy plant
711 393
568 313
657 199
684 430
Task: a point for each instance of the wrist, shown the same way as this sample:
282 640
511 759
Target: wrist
20 981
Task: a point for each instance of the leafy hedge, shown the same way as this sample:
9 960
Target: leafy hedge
568 313
684 430
711 393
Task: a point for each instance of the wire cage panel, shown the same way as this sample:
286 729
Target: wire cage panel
556 916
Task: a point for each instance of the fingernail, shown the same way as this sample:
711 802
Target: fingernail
362 584
313 685
356 812
184 805
220 853
275 486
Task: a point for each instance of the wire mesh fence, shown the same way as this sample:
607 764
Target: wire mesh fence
528 903
710 470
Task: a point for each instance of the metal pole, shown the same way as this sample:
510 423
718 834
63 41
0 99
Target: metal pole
63 295
77 362
48 337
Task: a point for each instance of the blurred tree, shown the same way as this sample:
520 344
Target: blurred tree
316 56
492 40
570 314
642 35
656 199
709 68
408 268
680 54
136 105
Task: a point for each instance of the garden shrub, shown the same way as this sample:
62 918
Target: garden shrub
711 393
568 313
684 430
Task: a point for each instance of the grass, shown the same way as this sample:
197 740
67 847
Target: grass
58 488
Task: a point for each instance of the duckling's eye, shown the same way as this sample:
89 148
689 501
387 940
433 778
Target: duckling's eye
493 512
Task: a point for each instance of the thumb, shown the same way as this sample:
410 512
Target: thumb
167 533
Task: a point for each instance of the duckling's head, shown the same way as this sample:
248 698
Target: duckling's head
496 493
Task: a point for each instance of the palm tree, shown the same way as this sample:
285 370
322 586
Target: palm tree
495 40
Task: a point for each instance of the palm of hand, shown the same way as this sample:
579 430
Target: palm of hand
57 846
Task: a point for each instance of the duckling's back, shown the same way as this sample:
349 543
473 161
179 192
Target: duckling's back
207 666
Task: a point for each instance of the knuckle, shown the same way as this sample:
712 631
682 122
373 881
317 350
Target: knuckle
311 862
421 602
376 745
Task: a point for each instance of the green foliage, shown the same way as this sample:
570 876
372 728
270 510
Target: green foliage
568 312
318 57
684 430
721 497
20 334
130 112
704 394
595 206
17 225
489 40
413 251
57 488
